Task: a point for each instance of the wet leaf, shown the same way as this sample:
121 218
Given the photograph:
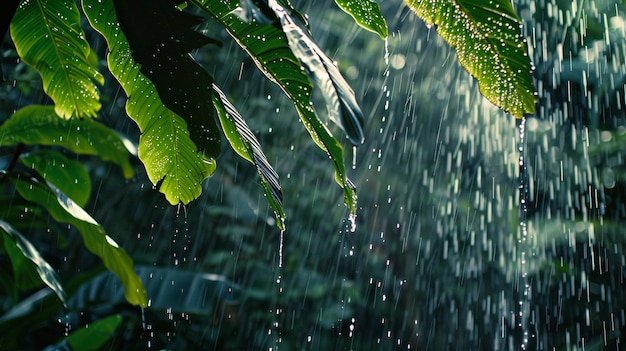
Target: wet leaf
245 143
48 36
489 45
274 58
161 39
24 256
169 155
367 14
70 176
40 125
95 335
343 108
64 210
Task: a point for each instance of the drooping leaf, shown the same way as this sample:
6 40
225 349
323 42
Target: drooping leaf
161 40
48 36
489 45
169 155
341 103
367 14
244 142
40 125
64 210
275 59
69 176
22 254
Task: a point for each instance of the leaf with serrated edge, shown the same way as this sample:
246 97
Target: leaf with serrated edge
48 36
489 45
165 148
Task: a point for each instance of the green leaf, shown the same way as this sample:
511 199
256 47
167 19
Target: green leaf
161 39
64 210
48 36
23 255
367 14
69 176
275 59
95 335
40 125
165 148
343 108
244 142
489 45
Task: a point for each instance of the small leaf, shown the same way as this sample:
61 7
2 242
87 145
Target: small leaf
64 210
489 45
40 125
244 142
23 249
95 335
70 176
367 14
170 156
48 36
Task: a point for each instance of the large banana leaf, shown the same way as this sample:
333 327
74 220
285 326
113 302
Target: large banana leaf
40 125
48 36
165 148
275 59
70 176
489 44
161 40
244 142
64 210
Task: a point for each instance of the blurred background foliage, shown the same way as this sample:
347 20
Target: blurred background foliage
432 263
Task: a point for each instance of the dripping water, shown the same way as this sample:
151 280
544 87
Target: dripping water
524 248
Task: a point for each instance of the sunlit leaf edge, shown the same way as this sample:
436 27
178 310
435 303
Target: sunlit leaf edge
275 59
95 238
366 13
165 148
244 142
489 45
48 36
40 125
45 271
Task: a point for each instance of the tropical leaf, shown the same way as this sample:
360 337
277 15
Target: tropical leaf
169 155
161 40
341 103
69 176
244 142
64 210
40 125
48 36
169 289
367 14
489 44
275 59
93 336
24 255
